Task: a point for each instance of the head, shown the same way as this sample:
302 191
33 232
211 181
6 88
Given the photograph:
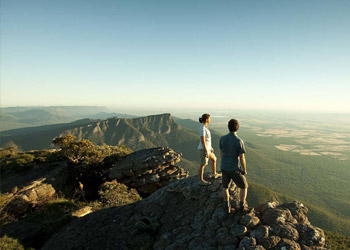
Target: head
205 118
233 125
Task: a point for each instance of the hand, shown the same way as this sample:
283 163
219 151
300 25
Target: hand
206 154
244 172
212 150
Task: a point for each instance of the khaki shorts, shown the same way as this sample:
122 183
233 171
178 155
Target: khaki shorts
202 159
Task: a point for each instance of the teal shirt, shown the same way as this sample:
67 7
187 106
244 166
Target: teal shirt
232 146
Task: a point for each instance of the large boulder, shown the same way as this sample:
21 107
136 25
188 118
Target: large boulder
311 236
148 170
185 215
298 211
287 231
270 241
250 220
277 216
260 233
29 197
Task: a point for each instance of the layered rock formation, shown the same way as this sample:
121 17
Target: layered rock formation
186 215
149 169
19 202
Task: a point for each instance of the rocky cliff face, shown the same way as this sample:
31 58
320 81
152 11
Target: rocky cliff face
186 215
149 169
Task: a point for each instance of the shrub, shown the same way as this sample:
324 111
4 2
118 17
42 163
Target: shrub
78 152
24 159
117 194
107 150
40 159
16 163
64 141
9 152
89 164
85 152
10 244
45 156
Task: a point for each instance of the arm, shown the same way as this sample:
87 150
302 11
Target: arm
243 163
204 146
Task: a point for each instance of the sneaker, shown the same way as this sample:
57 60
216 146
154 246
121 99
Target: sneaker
245 209
241 206
215 176
204 183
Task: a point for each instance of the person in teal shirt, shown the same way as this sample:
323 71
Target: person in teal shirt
233 164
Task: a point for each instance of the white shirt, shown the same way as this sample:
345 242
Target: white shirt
204 131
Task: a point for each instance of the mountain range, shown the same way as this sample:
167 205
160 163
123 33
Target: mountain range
20 117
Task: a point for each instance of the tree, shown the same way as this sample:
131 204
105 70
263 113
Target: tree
78 152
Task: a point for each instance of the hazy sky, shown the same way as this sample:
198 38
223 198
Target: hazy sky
188 54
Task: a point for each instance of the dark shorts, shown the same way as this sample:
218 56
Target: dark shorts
237 178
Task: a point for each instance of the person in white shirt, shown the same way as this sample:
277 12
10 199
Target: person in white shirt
205 149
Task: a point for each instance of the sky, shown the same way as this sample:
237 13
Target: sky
177 54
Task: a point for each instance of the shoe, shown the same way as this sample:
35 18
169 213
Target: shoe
245 209
241 207
204 183
215 176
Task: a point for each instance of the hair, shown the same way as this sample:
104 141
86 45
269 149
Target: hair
204 118
233 125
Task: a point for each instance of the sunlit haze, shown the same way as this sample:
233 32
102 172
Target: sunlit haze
183 54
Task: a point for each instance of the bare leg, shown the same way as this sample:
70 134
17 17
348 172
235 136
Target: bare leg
213 163
200 172
225 194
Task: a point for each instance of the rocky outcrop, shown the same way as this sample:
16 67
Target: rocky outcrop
21 201
187 215
148 170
